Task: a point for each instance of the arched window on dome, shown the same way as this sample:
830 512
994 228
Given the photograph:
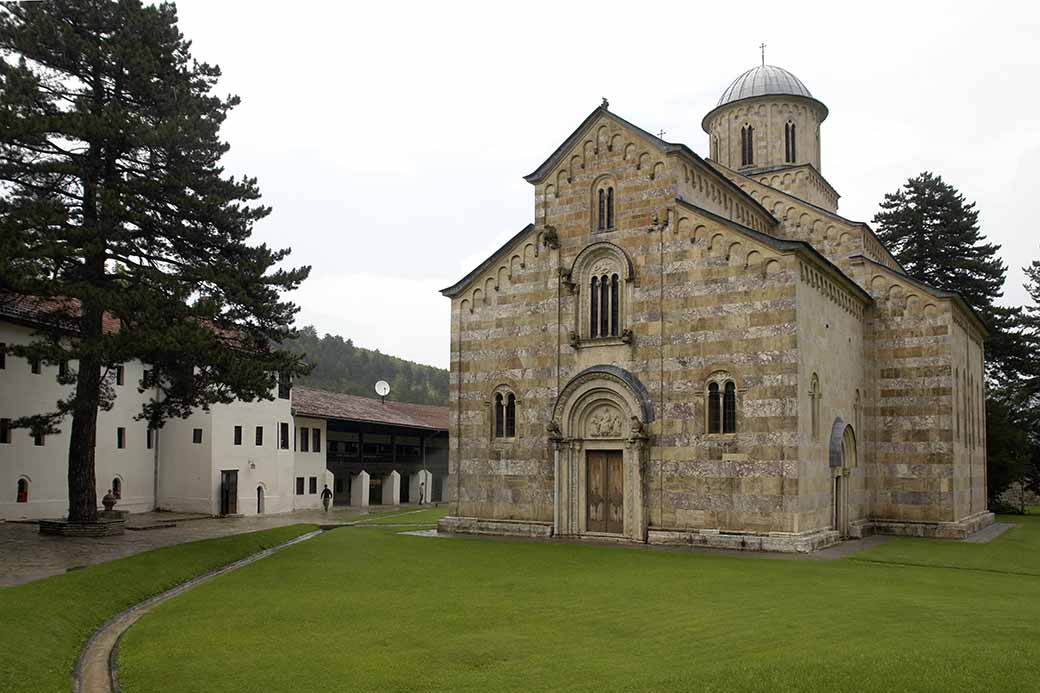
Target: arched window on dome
789 143
747 145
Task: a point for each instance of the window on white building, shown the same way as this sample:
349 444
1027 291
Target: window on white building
196 436
259 436
283 430
120 438
238 435
299 486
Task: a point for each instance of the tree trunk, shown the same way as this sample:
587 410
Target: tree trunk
82 478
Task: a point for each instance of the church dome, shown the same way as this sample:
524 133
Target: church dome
763 80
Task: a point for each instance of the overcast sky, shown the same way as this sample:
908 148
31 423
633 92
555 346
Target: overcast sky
391 139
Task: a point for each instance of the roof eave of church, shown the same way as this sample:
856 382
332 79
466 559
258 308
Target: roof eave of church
938 293
549 164
784 245
821 210
824 111
539 174
456 288
791 167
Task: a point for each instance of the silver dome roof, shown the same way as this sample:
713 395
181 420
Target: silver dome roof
762 80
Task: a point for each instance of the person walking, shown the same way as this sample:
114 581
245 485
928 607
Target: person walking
422 492
326 497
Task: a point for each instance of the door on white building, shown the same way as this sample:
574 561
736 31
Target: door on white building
229 492
259 500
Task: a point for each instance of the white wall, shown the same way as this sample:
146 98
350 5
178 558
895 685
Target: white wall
189 474
266 466
23 393
185 467
310 464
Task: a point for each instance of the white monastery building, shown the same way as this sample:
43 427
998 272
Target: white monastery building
242 458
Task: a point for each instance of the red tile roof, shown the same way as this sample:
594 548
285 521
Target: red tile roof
308 401
62 313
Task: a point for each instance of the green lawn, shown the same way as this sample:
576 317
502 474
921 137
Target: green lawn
370 609
46 623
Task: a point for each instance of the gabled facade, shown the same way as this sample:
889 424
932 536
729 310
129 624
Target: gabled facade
677 351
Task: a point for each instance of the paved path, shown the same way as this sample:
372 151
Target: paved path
27 555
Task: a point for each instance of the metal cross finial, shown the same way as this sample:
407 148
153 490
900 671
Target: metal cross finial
763 47
605 104
661 134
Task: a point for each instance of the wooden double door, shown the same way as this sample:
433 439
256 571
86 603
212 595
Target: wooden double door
605 492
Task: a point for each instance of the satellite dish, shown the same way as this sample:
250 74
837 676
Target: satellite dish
382 388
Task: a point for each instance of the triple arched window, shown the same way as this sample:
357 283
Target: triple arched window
722 406
604 305
505 414
789 151
747 145
605 211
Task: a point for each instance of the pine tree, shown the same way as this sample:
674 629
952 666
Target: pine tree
114 205
934 233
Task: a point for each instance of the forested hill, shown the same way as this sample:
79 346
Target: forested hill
342 367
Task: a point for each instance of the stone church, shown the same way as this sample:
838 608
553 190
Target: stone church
696 351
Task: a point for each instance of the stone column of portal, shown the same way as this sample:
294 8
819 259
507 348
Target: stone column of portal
359 489
392 489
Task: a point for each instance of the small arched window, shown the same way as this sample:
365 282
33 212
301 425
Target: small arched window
505 414
500 416
747 145
117 488
604 305
605 216
23 491
789 143
510 415
729 408
714 409
814 405
722 404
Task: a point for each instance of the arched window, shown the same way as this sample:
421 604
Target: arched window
605 199
789 151
747 145
511 416
714 409
117 488
23 491
600 277
505 413
500 416
722 404
604 305
814 405
729 408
